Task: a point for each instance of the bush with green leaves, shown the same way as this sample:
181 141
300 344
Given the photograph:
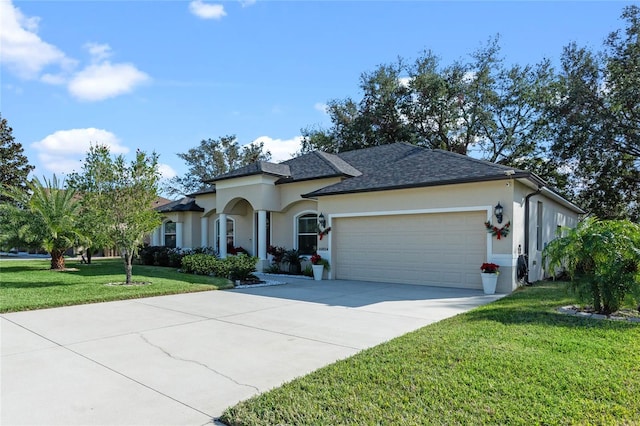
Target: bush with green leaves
241 266
602 257
201 264
147 255
238 267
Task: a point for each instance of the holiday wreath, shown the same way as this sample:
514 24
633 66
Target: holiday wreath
499 232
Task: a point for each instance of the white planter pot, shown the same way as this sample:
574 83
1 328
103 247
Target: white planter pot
489 282
317 272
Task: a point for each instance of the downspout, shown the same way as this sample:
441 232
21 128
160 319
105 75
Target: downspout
526 230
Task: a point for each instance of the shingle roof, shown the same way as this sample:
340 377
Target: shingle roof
317 165
259 167
383 167
186 204
402 165
207 190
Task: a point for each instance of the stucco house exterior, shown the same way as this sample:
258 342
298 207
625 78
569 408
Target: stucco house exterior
396 213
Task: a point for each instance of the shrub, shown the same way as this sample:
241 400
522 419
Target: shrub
241 266
603 260
274 268
293 258
200 264
175 256
161 256
199 250
236 250
146 255
154 256
238 267
277 253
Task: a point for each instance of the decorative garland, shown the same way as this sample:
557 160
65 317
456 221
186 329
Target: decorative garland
499 232
323 231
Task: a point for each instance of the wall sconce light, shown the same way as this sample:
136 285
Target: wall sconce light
321 221
497 210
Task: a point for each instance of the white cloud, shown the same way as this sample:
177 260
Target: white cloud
62 152
281 150
404 81
207 10
469 76
99 52
28 56
322 107
23 51
105 80
166 171
247 3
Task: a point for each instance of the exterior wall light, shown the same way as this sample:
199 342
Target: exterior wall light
321 221
497 210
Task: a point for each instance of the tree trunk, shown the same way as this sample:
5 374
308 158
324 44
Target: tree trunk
127 257
89 251
57 259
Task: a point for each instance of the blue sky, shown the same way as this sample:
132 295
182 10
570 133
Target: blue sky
162 75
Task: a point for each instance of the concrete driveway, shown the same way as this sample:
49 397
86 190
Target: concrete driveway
183 359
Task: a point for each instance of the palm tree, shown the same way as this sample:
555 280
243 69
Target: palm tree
58 209
48 215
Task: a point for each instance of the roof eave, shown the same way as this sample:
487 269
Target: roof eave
503 176
245 175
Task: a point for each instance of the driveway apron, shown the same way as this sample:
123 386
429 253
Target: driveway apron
183 359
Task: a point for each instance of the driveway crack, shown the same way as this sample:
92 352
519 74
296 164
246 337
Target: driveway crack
193 361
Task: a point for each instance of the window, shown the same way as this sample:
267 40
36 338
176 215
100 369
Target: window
307 233
230 233
539 228
170 234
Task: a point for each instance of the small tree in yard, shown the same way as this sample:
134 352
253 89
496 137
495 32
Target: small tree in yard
117 198
603 260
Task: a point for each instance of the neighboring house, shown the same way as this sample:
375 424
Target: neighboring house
397 213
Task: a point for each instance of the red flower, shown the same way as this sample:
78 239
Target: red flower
315 259
490 268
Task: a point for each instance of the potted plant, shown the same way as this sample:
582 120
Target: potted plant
293 258
490 272
318 264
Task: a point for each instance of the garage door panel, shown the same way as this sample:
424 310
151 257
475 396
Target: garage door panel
431 249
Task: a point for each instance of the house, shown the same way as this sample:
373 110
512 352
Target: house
392 213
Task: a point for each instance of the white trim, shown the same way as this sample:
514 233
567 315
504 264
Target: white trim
295 225
488 209
216 230
163 234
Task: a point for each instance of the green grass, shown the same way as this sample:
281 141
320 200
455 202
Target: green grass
516 361
30 284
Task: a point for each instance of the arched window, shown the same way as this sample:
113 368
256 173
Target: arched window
307 233
231 239
170 234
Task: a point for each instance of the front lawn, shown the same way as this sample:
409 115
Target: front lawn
515 361
30 284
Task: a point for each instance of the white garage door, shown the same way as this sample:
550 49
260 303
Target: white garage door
439 249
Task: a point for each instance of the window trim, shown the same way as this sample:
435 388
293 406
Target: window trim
165 233
296 234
